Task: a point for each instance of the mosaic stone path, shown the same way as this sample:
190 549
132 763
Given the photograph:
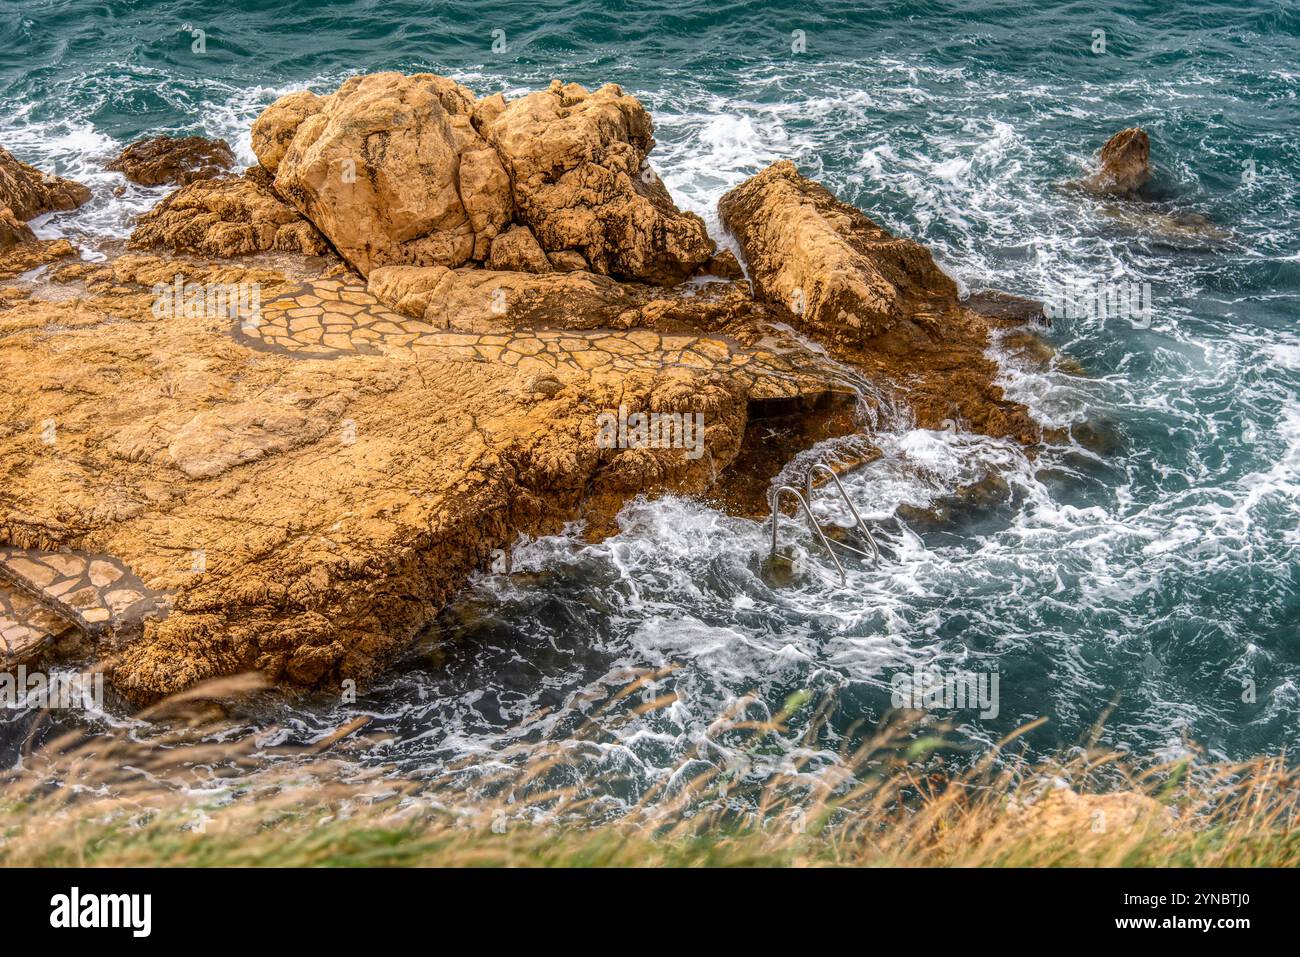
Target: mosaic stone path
25 626
91 592
329 318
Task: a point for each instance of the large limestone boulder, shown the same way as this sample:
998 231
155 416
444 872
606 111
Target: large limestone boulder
227 217
578 164
390 169
874 299
173 159
28 192
825 260
1124 165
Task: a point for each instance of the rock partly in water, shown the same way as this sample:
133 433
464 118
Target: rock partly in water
296 482
724 265
29 193
28 255
1124 165
577 161
227 217
826 261
874 299
173 159
308 486
390 168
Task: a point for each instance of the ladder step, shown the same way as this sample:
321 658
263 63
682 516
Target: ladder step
805 502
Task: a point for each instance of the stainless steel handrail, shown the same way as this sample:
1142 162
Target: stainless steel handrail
862 526
776 522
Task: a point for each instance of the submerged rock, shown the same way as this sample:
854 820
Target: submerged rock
29 193
1124 165
171 159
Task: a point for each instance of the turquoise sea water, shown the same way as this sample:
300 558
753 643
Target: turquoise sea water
1156 572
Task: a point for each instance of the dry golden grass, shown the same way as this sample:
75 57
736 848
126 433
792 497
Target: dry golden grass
171 799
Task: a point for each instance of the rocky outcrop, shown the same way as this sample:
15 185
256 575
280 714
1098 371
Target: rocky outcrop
28 192
826 261
577 161
275 464
301 488
173 159
227 217
1124 165
414 170
877 300
390 168
13 231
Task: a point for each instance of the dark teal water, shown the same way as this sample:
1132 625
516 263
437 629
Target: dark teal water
1159 575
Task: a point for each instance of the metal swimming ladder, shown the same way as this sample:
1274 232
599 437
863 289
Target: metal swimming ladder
805 504
776 524
862 526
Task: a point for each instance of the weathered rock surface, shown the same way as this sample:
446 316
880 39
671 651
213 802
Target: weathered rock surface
517 250
478 300
29 193
297 481
173 159
13 231
227 217
876 300
578 164
26 256
390 168
414 170
299 491
1124 165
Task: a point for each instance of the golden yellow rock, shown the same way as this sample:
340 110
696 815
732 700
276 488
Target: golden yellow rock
390 168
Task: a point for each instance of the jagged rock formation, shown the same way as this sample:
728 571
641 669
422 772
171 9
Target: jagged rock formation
28 192
13 231
877 300
227 217
414 170
292 467
171 159
577 161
